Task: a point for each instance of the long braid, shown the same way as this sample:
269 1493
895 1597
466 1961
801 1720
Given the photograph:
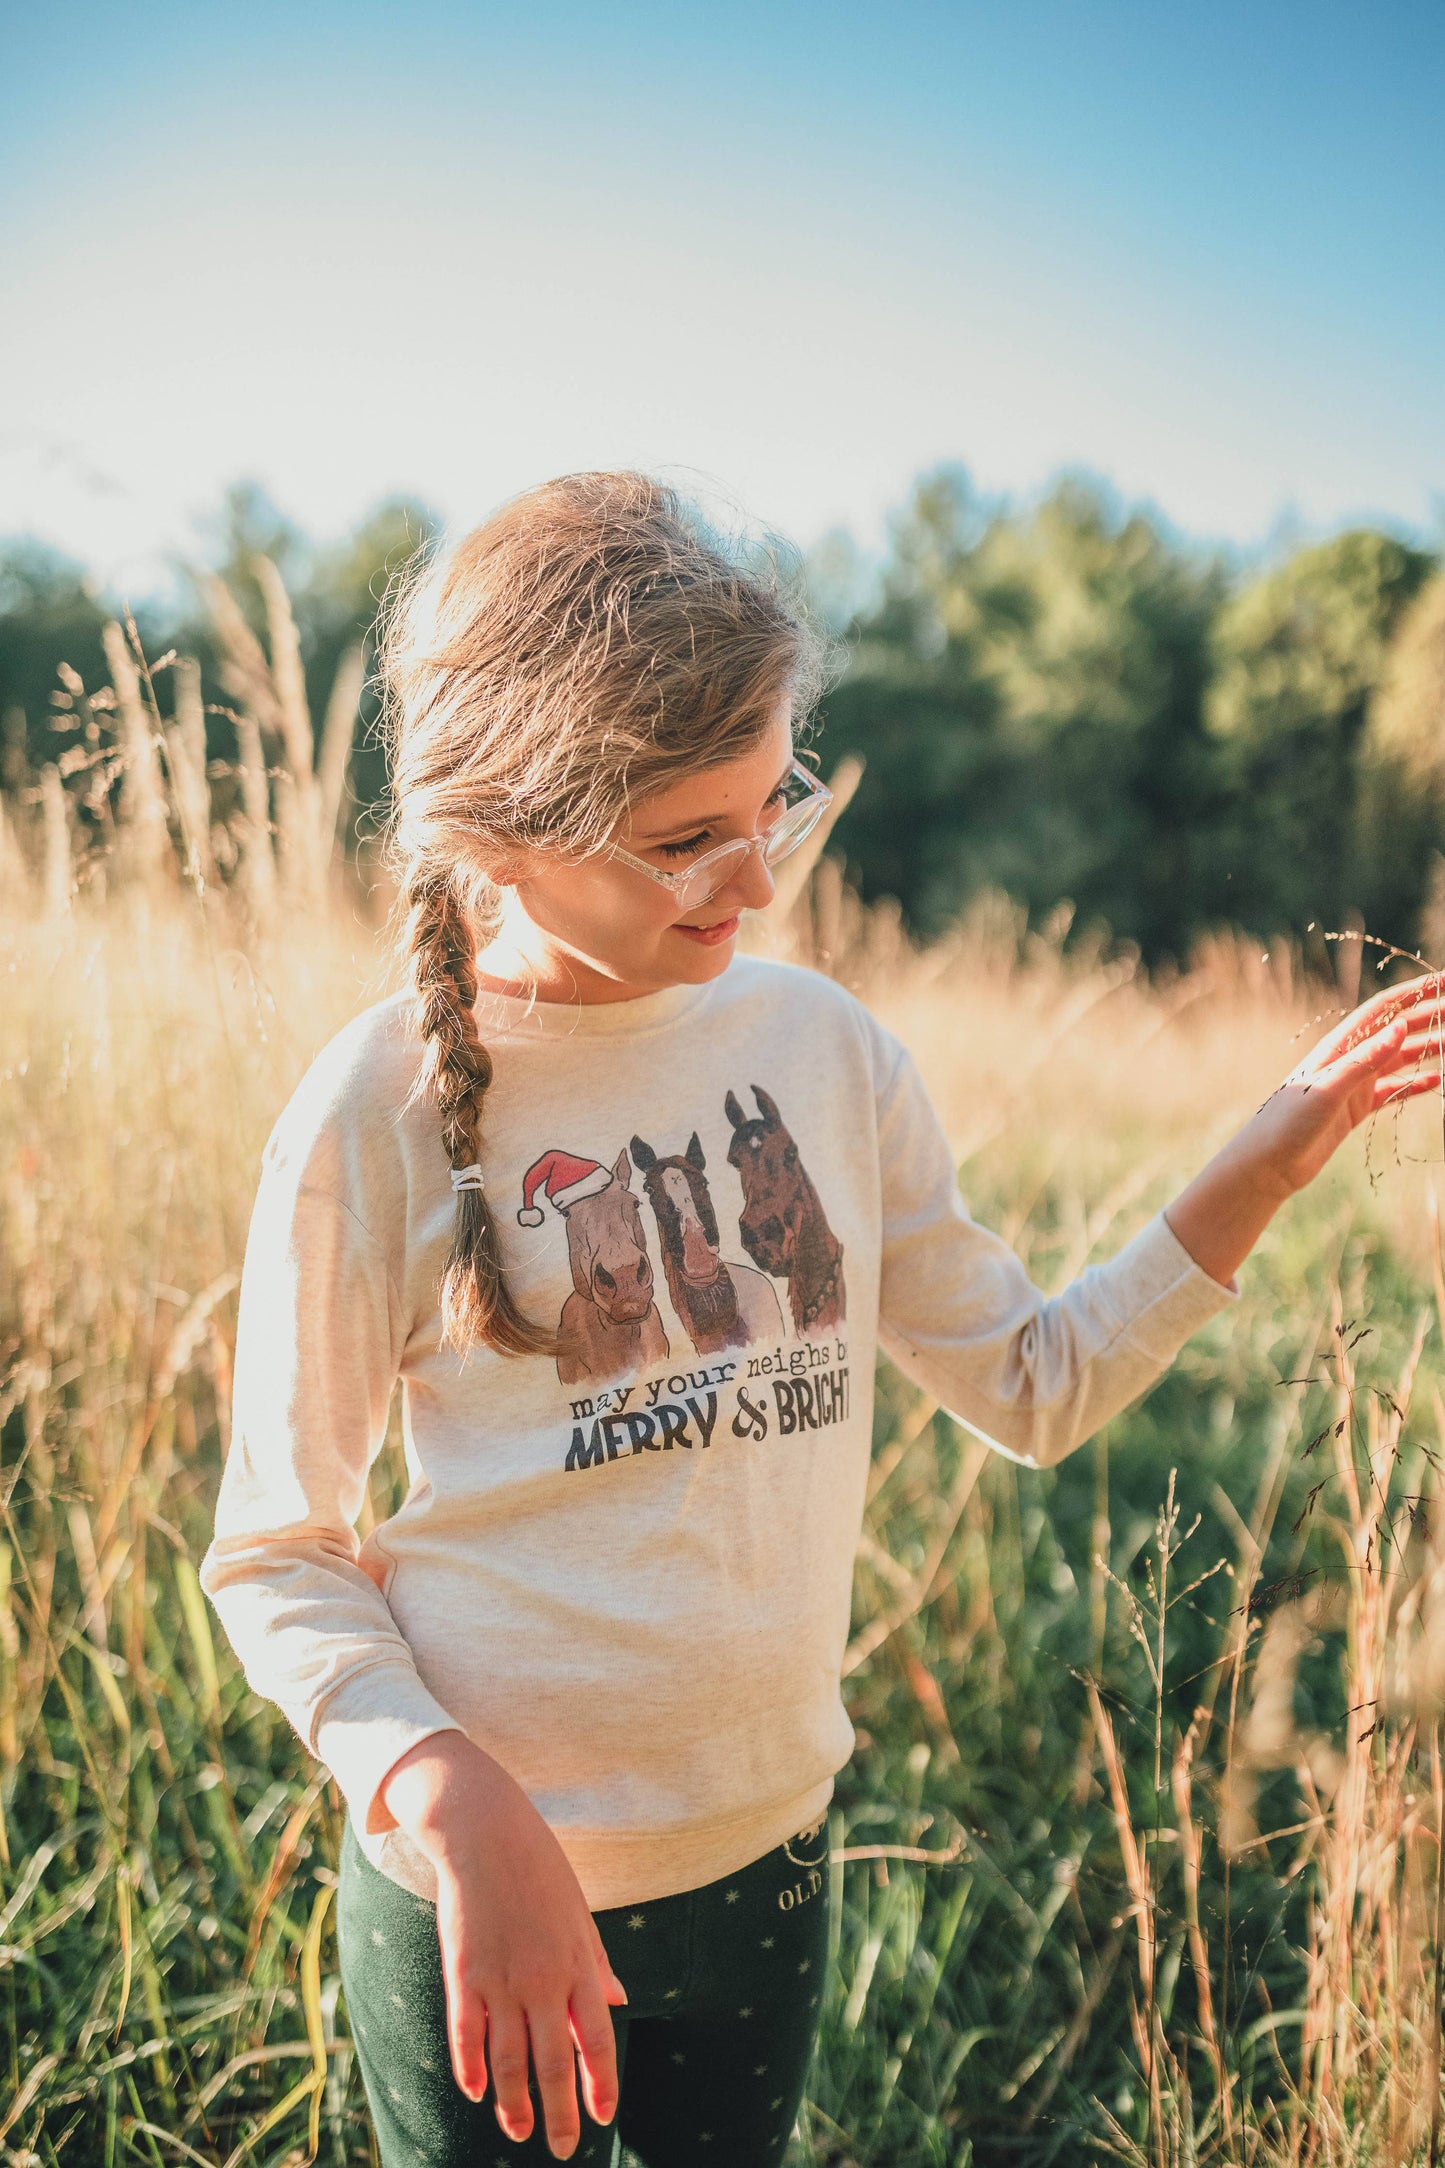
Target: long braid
476 1303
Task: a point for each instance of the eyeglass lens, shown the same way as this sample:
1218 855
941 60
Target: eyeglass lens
785 834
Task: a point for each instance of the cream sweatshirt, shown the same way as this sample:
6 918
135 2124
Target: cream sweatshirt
626 1574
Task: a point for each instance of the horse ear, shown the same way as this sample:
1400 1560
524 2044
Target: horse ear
622 1167
643 1154
734 1112
694 1153
771 1115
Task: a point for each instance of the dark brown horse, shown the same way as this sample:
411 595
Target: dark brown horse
720 1305
783 1226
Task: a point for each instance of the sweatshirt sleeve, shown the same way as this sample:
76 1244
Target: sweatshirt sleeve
318 1339
1034 1374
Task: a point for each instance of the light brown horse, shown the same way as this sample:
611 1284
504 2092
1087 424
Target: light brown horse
720 1305
783 1225
610 1320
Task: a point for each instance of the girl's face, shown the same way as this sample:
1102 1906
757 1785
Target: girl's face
596 930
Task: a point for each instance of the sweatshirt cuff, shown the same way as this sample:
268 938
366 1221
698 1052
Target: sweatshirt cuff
364 1728
1159 1292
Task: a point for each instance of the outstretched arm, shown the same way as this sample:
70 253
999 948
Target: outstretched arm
1036 1375
1351 1074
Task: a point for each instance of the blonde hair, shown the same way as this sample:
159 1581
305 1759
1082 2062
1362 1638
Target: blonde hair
584 646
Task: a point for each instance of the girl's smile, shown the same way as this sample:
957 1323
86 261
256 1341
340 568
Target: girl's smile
722 929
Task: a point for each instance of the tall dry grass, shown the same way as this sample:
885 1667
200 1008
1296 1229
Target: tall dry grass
1139 1857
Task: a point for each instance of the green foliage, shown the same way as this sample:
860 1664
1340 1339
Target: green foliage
1028 693
1407 714
1297 656
1065 703
1300 650
47 616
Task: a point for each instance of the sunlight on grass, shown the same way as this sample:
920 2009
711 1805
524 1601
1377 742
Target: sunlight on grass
1138 1856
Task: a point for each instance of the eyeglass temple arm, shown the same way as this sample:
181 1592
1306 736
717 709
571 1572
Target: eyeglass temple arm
654 873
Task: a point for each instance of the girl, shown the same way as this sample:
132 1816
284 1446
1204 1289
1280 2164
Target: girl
629 1215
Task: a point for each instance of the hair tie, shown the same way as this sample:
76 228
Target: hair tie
467 1177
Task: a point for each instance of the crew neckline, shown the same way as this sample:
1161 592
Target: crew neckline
510 1016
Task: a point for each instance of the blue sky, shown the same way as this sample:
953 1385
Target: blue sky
790 256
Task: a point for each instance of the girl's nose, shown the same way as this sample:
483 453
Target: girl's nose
751 887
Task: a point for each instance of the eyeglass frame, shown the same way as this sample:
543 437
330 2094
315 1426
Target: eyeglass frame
820 796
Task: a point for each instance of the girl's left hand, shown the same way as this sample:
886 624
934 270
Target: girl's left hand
1351 1074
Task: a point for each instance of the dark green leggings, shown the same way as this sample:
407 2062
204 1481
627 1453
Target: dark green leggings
724 1988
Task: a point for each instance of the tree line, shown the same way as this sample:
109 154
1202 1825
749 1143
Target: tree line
1060 700
1063 702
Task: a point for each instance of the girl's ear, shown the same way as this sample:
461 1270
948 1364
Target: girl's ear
504 868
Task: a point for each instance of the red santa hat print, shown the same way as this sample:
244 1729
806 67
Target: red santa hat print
565 1180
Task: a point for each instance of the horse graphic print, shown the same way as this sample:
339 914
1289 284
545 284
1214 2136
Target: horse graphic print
783 1226
720 1305
611 1322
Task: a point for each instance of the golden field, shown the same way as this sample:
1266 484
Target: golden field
1139 1856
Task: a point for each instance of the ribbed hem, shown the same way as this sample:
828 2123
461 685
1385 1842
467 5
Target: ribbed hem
1160 1294
632 1867
364 1728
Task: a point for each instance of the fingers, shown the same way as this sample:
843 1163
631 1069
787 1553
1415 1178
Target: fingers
552 2055
466 2035
1416 997
1345 1069
612 1988
1390 1090
1428 984
1381 1046
1400 1046
509 2067
596 2043
540 2034
1418 1047
1424 1019
1430 1035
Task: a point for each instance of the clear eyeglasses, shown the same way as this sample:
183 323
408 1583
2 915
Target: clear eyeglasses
804 799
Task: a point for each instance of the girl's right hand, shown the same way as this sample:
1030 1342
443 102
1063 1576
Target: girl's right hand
521 1955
